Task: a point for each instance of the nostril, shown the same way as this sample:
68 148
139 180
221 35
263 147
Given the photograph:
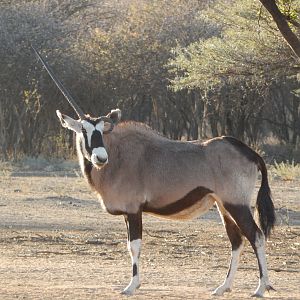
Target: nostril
99 156
101 160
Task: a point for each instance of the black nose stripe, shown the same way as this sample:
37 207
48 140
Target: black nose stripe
96 139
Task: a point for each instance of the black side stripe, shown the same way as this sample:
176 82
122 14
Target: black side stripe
187 201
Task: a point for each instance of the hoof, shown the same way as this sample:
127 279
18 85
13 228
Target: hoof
220 291
129 290
270 288
257 295
261 294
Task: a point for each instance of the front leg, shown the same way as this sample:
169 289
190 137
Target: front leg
134 233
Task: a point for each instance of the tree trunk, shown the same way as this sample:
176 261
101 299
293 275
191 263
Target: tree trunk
3 133
282 25
296 120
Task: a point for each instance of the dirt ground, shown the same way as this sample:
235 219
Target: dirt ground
57 243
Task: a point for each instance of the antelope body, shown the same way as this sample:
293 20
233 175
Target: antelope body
134 170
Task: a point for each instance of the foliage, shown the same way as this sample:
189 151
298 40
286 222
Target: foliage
290 8
249 49
131 55
231 73
5 169
240 71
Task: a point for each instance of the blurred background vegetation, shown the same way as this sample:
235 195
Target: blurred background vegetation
189 68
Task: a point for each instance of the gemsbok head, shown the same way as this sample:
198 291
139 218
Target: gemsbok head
135 170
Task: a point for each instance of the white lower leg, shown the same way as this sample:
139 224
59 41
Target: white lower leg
227 285
261 257
134 248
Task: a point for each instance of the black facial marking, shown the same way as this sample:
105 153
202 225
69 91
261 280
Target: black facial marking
96 139
93 121
88 171
87 168
87 147
187 201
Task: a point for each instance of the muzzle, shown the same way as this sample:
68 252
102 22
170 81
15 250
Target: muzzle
99 157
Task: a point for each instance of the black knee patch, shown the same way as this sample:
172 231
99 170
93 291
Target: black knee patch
134 270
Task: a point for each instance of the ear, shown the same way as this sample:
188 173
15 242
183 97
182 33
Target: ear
115 115
69 122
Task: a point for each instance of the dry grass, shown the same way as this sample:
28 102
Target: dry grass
6 169
38 165
286 171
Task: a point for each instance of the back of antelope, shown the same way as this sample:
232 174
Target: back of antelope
134 170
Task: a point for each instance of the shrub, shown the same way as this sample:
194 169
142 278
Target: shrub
286 170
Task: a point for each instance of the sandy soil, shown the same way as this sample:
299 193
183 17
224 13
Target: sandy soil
57 243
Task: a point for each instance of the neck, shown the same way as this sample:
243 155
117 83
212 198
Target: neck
108 140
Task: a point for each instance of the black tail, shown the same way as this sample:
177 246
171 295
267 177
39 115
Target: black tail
264 203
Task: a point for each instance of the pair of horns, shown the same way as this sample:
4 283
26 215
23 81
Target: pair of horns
66 93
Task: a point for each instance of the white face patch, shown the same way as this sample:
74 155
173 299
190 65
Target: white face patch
89 128
99 155
84 152
100 126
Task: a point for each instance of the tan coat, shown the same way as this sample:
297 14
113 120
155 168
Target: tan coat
148 170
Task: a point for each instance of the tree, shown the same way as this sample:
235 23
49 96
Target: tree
281 21
236 73
108 53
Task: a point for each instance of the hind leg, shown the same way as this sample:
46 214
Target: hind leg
237 243
244 219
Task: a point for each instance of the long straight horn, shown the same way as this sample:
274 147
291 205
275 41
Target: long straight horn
58 83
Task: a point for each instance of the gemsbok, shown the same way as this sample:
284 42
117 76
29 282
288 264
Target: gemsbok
135 170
